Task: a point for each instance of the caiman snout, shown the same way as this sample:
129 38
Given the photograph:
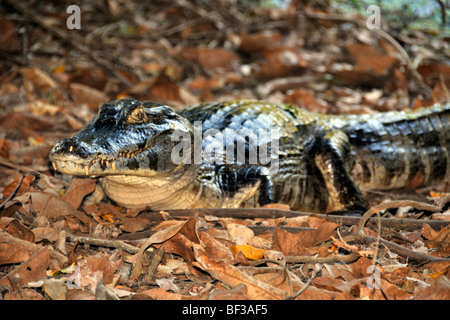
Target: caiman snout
70 146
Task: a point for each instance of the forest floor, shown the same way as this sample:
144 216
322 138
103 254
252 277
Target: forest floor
54 245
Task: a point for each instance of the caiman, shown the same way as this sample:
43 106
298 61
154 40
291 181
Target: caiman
146 155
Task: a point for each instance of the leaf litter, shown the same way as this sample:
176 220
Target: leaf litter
59 240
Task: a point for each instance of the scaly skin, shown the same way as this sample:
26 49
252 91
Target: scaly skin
322 162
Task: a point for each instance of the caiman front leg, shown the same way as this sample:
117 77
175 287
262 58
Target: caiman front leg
242 184
331 154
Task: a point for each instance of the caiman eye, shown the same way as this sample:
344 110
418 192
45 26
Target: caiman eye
138 116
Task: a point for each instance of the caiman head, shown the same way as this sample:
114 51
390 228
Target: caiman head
126 138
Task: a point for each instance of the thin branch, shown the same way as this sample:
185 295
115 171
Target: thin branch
266 213
13 193
326 260
104 243
395 204
294 296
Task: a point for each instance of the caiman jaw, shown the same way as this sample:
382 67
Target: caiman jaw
127 137
100 165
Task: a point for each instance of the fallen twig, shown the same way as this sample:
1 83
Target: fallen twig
329 260
404 252
266 213
395 204
156 258
118 244
294 296
13 193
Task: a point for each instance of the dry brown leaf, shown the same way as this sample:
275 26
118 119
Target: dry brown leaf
157 237
232 276
33 269
215 249
40 79
88 76
92 97
28 125
323 232
202 83
25 184
330 284
371 66
78 189
305 98
163 88
9 39
432 71
104 263
249 252
439 239
181 245
259 41
16 228
237 293
280 62
45 233
78 294
361 266
161 294
53 207
239 233
4 148
288 243
14 250
210 58
433 293
427 232
42 108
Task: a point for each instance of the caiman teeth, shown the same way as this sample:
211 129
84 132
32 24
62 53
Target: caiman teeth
54 165
113 165
86 169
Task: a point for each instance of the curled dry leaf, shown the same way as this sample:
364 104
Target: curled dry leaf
237 293
78 189
40 79
288 243
45 233
4 148
24 185
210 58
439 239
32 269
157 237
53 207
240 234
280 62
259 41
215 249
161 294
371 66
249 252
232 276
14 250
16 228
92 97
